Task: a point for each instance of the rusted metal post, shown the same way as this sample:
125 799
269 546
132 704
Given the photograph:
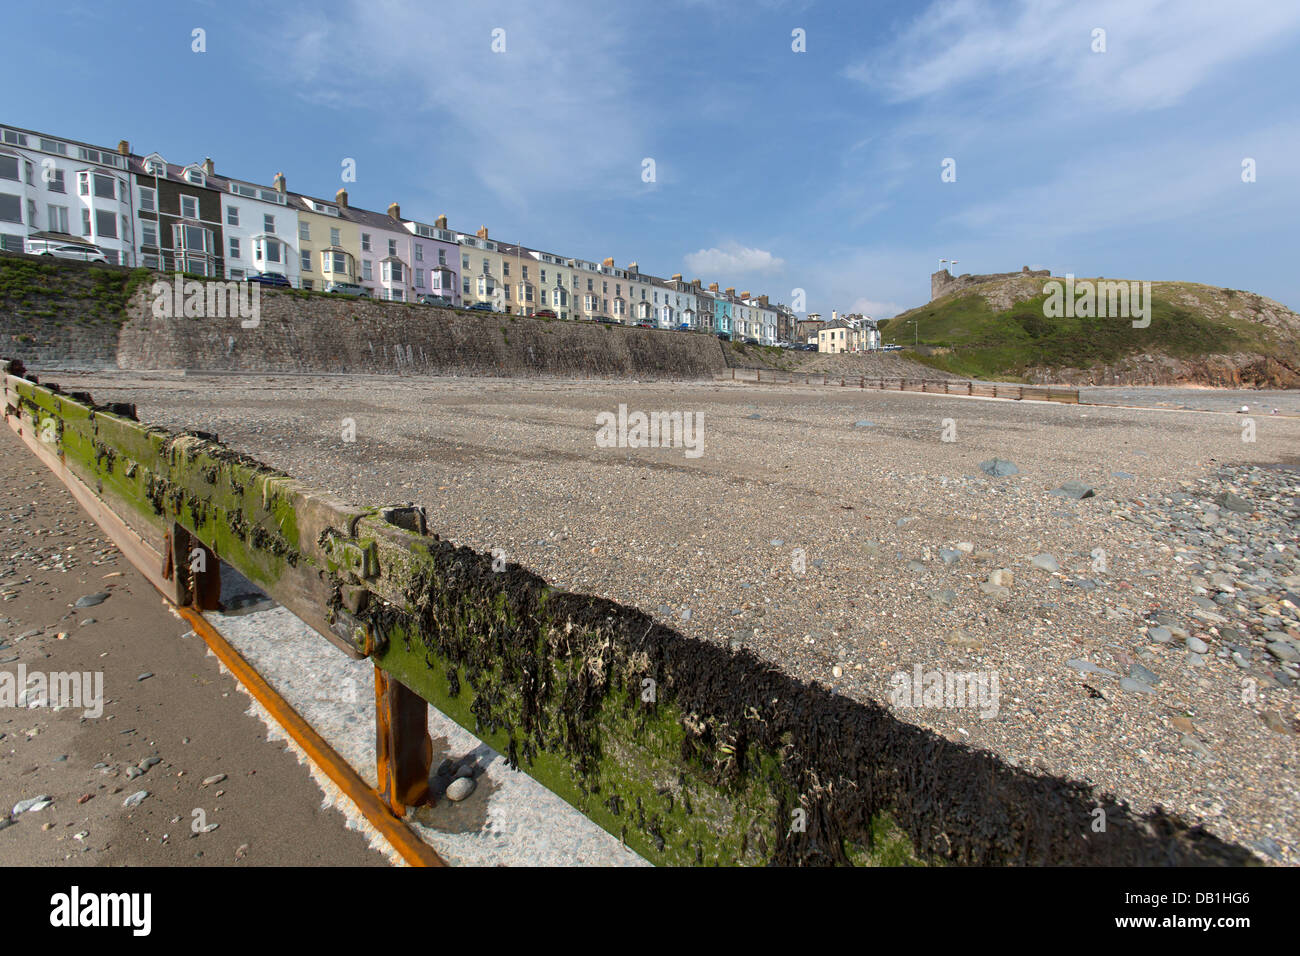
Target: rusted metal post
402 744
195 570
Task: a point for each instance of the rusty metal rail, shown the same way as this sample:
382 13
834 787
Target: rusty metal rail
1039 393
690 752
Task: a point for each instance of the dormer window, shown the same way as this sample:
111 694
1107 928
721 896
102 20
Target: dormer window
195 176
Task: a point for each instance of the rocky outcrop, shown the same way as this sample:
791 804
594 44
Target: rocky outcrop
1241 370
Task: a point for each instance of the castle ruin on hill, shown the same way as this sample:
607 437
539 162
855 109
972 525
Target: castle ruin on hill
943 282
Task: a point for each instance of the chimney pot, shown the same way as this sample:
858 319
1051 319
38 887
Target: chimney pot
341 197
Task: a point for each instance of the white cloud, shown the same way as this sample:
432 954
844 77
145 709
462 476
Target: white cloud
732 259
539 118
1156 50
876 310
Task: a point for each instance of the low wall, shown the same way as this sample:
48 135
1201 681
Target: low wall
60 314
297 332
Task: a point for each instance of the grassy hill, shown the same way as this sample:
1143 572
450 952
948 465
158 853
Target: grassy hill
1197 333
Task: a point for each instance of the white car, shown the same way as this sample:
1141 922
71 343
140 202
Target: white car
66 250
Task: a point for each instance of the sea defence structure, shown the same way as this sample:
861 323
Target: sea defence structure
691 751
58 314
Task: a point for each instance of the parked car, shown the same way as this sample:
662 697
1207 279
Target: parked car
441 301
481 307
750 340
269 278
347 288
81 251
605 320
684 327
645 325
545 314
725 336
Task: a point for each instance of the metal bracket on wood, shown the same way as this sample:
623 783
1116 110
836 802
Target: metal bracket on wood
195 570
402 745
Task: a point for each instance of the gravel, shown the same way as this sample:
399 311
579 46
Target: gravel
514 465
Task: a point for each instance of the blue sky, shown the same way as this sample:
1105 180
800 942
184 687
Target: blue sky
775 170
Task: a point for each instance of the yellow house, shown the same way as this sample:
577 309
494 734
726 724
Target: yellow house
556 284
329 245
483 274
835 337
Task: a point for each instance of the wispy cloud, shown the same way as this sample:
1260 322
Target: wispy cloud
1156 51
551 111
732 259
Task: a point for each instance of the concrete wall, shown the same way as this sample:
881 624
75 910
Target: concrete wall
59 314
297 333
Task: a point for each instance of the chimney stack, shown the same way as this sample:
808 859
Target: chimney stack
279 182
632 269
441 222
482 232
124 147
209 167
341 197
713 287
834 315
394 210
677 277
730 291
744 295
609 261
696 283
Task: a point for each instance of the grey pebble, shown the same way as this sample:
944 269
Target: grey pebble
1128 683
1088 667
1074 489
32 804
90 600
999 467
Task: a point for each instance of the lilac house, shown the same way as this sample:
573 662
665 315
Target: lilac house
434 259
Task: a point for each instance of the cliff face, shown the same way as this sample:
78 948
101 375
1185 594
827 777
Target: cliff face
1241 370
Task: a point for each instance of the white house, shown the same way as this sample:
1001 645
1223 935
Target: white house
60 188
260 228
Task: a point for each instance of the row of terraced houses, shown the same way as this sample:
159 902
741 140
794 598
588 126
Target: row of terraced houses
143 210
